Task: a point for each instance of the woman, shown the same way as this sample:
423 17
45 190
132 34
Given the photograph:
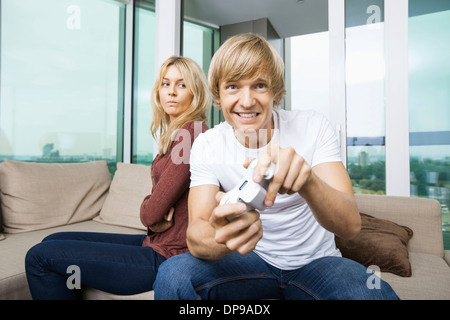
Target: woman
127 264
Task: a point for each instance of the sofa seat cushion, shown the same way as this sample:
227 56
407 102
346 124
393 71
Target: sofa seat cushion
430 279
13 284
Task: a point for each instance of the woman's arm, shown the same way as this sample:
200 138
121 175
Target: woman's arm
173 182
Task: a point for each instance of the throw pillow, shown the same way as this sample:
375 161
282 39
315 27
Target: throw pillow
130 185
44 195
381 243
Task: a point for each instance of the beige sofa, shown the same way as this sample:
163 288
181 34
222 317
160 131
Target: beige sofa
39 199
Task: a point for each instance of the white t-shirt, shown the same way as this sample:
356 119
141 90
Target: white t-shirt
292 237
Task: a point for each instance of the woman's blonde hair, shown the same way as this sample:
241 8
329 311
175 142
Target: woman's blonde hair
245 56
163 130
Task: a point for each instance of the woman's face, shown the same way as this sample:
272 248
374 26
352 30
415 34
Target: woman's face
175 98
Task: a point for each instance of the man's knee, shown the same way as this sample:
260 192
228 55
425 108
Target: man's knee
174 277
362 283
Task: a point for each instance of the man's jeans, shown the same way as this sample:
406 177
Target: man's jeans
115 263
249 277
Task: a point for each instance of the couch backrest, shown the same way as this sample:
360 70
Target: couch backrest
422 215
37 196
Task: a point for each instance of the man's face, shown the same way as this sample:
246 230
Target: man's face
247 106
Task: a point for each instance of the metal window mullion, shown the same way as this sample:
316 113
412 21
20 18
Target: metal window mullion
128 83
396 97
336 26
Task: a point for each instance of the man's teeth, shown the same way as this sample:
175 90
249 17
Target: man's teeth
247 115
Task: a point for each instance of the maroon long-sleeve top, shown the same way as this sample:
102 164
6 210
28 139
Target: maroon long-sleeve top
171 178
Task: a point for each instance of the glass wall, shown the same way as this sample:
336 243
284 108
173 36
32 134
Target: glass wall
199 44
429 103
143 78
309 72
61 80
365 66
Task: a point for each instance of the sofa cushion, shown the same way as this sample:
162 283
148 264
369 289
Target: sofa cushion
429 280
43 195
422 215
130 185
381 243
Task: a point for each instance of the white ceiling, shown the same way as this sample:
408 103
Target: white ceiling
288 17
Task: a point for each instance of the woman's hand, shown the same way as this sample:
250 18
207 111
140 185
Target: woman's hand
165 224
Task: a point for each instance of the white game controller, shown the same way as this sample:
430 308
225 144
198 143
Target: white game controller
248 191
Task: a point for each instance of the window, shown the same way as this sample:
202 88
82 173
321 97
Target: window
61 80
364 43
144 75
309 69
199 44
429 104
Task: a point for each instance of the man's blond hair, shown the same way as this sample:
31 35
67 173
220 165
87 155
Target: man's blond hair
246 56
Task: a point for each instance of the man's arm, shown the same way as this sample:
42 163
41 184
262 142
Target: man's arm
329 194
326 188
210 235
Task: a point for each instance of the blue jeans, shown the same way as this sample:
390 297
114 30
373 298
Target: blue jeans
238 277
116 263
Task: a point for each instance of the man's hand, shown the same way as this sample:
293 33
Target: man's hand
326 188
165 224
292 172
243 233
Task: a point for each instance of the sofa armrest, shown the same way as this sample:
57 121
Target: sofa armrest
447 256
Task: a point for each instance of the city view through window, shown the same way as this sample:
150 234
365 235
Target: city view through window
61 80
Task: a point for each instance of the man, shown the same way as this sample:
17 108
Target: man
287 250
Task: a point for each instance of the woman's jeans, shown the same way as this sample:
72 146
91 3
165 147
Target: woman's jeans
240 277
63 262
